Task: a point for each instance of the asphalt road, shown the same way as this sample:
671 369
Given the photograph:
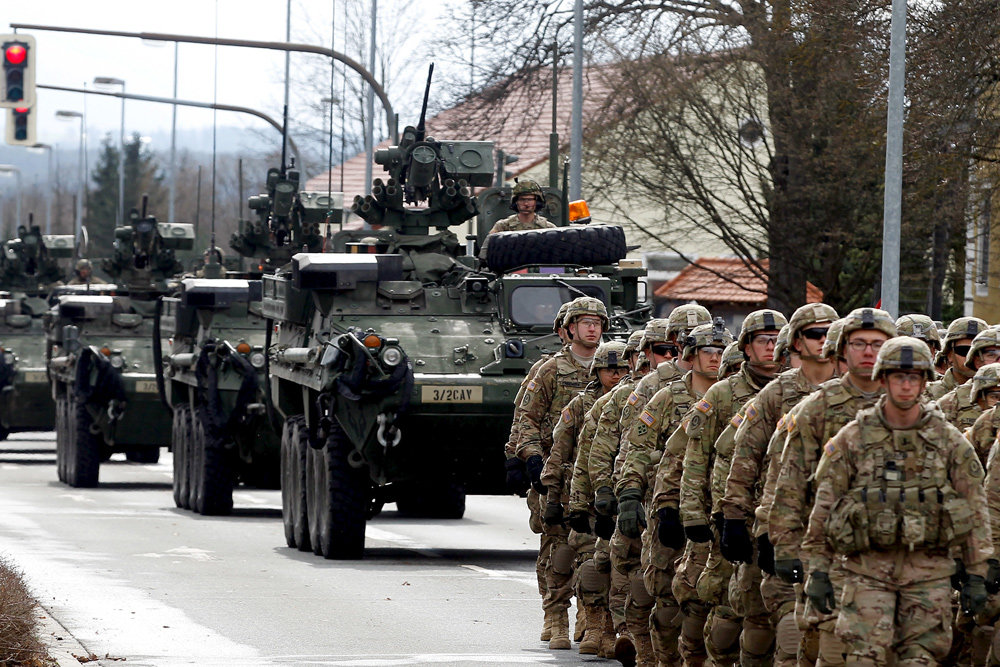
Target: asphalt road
130 576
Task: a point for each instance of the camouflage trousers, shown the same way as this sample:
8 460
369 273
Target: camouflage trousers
985 639
658 567
724 625
618 590
695 612
591 587
819 629
535 524
554 565
757 637
878 617
626 559
792 646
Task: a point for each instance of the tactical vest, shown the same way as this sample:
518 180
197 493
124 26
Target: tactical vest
901 496
961 411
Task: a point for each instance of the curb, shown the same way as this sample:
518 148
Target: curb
61 644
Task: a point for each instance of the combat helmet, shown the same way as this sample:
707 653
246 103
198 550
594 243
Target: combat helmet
732 357
919 326
963 327
764 319
904 353
609 355
781 346
686 317
706 335
527 187
83 263
866 318
989 337
655 332
557 323
634 340
586 305
832 340
985 378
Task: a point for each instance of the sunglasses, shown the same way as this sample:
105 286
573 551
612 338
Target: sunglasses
961 350
816 333
663 350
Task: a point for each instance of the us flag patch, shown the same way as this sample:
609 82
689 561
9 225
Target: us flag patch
566 417
829 448
751 412
736 420
633 398
531 385
646 418
702 406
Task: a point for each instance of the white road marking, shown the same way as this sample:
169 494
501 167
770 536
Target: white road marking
183 552
508 575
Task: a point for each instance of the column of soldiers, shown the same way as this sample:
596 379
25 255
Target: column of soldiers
821 490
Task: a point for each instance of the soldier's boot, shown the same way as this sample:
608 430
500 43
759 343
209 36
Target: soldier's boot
625 649
591 642
608 635
580 627
644 656
560 630
547 626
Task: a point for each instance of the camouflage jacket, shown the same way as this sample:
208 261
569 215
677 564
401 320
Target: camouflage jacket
555 384
948 381
565 440
814 421
513 224
775 446
983 432
644 390
756 426
581 490
703 425
992 485
510 448
958 407
866 456
607 437
649 432
667 485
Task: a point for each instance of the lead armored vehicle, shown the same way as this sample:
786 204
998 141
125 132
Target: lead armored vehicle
100 354
396 358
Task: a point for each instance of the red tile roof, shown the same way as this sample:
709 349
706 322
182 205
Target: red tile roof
723 280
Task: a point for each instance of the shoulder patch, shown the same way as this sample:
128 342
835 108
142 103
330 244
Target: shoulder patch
633 398
647 418
781 424
790 422
566 416
736 420
531 385
703 406
751 412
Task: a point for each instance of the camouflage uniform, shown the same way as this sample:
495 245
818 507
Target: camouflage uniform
939 388
983 433
991 614
514 224
959 408
963 327
896 598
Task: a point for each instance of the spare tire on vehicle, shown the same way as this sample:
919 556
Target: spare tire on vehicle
577 244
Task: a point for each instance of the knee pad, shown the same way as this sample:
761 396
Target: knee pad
994 655
723 635
592 581
602 561
756 643
561 560
637 590
693 623
787 636
665 616
831 650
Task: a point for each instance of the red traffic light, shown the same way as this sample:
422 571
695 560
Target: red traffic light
15 54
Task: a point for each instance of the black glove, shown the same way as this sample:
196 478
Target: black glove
631 515
735 544
553 514
789 570
973 595
765 553
993 576
579 521
517 476
699 533
959 577
604 526
604 501
670 533
534 465
819 590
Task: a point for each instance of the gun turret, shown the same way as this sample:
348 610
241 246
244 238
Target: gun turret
143 254
27 262
439 175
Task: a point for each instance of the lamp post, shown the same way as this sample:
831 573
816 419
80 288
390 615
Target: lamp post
11 169
78 223
48 200
120 213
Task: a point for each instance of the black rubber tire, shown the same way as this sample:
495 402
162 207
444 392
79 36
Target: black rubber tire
60 439
187 480
577 244
444 500
294 497
143 455
178 438
213 472
84 462
338 500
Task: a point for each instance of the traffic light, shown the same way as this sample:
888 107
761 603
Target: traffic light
17 57
21 127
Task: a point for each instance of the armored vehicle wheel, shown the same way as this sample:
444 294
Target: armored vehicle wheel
294 452
443 500
576 244
61 438
211 473
337 499
179 436
83 462
143 455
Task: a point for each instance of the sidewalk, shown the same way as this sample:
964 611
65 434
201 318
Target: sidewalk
62 646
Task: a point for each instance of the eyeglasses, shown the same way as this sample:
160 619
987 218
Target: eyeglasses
663 349
961 350
711 351
589 322
764 339
860 345
899 379
816 333
990 355
992 397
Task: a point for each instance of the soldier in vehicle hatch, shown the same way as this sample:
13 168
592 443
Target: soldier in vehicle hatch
526 200
84 274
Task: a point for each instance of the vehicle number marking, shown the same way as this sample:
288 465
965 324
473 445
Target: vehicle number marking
445 394
35 376
145 386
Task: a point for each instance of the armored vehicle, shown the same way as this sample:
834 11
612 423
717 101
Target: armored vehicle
396 358
100 354
212 375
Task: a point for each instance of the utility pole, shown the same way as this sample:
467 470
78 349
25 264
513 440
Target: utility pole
893 202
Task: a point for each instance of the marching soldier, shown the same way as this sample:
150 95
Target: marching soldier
960 407
957 341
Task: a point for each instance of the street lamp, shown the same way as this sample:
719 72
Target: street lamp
120 213
173 136
78 223
48 200
11 169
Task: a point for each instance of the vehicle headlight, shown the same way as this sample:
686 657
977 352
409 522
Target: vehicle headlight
9 358
117 361
391 356
257 359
